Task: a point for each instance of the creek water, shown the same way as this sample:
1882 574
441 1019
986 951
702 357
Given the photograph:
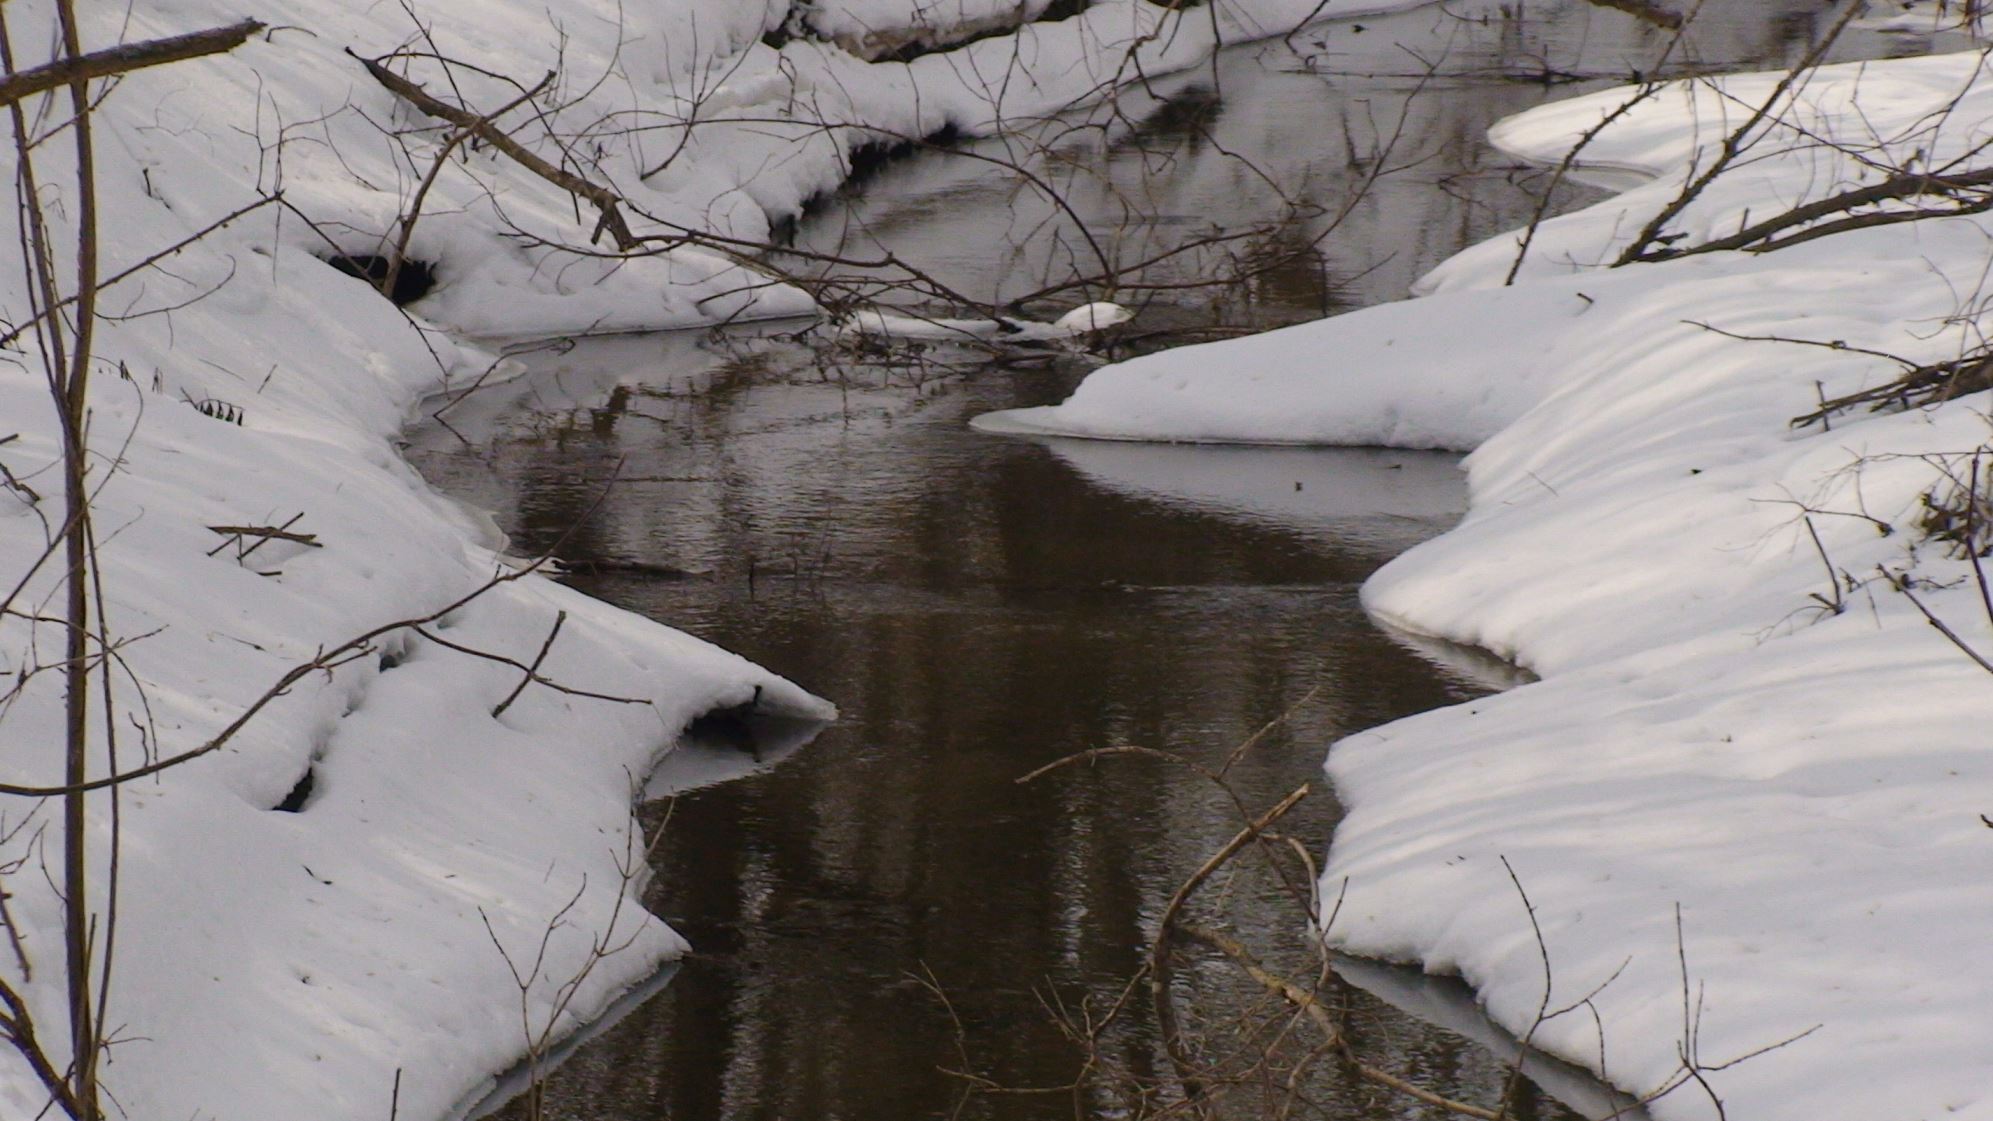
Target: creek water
887 923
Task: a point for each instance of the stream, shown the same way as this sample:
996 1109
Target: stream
887 923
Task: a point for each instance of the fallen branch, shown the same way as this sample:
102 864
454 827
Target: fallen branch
1736 142
1902 584
1311 1006
1159 951
1931 384
112 61
606 201
265 533
1564 167
353 649
532 675
1761 237
414 211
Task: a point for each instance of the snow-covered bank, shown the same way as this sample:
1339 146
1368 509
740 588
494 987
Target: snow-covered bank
263 957
1743 817
362 949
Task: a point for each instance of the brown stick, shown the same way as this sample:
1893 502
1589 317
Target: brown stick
1159 952
17 1025
1312 1007
1902 584
408 220
1564 167
605 200
266 532
1735 143
532 671
1893 189
123 59
71 390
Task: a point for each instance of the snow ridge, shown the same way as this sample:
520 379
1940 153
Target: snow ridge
1746 817
331 954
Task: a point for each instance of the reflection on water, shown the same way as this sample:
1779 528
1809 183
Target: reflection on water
1354 494
979 607
1355 147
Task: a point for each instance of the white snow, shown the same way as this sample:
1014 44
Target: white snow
1709 740
1922 16
263 958
1075 324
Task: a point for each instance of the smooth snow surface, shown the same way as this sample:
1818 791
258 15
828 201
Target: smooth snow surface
265 959
1742 818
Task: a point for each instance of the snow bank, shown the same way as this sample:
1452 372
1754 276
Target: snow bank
262 957
1743 817
265 958
683 110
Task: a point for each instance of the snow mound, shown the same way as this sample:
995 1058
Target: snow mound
331 908
1745 799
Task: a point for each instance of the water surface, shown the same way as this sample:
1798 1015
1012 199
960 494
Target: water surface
888 925
978 608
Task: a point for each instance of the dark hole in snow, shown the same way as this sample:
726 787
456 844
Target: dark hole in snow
868 160
391 659
749 728
729 743
412 283
300 794
730 726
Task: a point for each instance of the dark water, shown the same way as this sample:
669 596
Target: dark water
978 608
888 925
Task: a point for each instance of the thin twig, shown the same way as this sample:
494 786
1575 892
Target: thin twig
532 671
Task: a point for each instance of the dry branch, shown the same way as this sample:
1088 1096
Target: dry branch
123 59
1309 1005
1737 142
606 201
400 255
532 671
1159 952
1931 384
1762 236
267 532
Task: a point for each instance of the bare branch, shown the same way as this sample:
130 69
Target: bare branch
125 58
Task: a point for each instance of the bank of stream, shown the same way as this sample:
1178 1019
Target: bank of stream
887 923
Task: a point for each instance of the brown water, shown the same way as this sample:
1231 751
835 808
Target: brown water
979 607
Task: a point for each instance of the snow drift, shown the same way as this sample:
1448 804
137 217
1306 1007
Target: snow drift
1745 799
365 942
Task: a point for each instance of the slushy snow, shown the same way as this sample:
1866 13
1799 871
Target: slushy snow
362 950
1745 798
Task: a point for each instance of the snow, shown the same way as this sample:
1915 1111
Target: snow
1744 799
1075 324
1925 16
362 950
